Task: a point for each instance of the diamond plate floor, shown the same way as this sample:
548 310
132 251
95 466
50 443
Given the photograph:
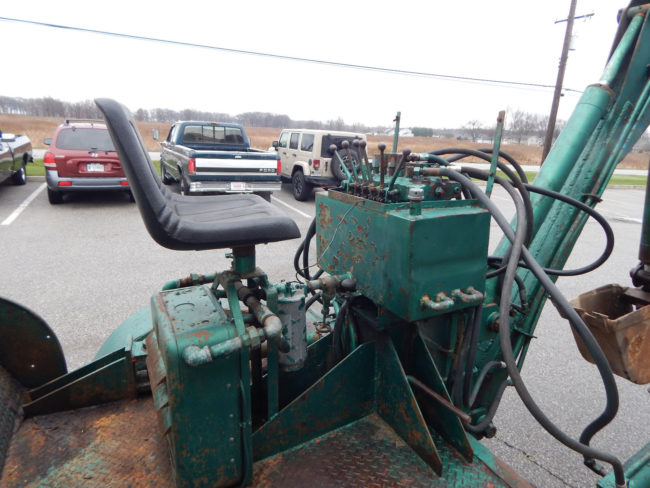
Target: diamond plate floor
113 445
119 445
368 453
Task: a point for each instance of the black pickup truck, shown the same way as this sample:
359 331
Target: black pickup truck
217 158
15 153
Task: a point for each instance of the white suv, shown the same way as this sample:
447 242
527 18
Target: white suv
307 160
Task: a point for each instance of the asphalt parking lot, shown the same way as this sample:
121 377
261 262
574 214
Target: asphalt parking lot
88 264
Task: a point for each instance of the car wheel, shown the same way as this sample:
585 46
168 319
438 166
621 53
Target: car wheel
301 189
338 171
184 188
164 176
266 195
54 197
20 177
131 197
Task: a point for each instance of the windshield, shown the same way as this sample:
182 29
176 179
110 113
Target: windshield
85 140
212 134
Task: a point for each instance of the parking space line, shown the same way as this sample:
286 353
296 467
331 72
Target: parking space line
14 215
293 208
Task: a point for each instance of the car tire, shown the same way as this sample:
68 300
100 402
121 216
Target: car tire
164 176
20 176
54 197
131 197
266 195
301 189
184 187
338 171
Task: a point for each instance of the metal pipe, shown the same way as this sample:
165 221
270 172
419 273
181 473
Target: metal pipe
619 55
441 303
382 164
405 155
472 295
495 152
440 399
192 279
346 147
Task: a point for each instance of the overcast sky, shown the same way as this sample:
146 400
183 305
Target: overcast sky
514 40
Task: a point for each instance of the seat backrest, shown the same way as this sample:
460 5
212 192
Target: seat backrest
150 195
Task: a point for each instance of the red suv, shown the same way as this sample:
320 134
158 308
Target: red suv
82 158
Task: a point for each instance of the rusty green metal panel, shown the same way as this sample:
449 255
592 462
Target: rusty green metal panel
30 351
200 408
104 380
398 258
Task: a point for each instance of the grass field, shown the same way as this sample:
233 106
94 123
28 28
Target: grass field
38 128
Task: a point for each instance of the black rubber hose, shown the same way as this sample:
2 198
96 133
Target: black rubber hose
303 250
515 164
495 262
338 325
480 174
609 236
311 232
313 299
479 428
457 387
574 319
609 233
480 378
473 344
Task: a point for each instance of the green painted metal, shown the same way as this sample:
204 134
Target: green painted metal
398 258
396 404
644 246
495 152
618 57
135 328
342 395
637 471
398 118
29 349
104 380
580 165
197 405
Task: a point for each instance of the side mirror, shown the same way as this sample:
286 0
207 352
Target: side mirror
47 141
276 144
156 134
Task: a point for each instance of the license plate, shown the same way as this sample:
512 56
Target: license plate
94 167
237 186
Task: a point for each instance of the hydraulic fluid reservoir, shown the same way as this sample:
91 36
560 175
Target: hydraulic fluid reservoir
292 313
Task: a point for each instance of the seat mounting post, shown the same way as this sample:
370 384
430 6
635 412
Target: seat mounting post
243 259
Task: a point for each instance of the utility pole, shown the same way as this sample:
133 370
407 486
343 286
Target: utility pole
550 128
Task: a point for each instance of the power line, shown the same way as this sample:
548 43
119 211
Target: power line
290 58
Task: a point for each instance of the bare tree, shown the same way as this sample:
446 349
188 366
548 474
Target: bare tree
522 124
473 128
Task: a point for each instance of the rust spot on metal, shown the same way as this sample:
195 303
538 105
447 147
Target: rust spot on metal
324 216
113 445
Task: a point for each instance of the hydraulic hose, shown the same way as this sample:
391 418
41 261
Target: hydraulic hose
461 153
609 233
515 164
473 344
560 301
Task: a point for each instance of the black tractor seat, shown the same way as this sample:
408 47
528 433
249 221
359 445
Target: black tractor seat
190 222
